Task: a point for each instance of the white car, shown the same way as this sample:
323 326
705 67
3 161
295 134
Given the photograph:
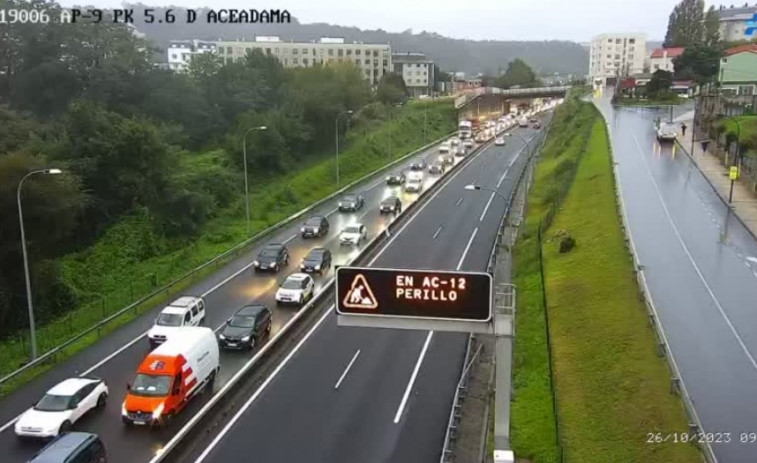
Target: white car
184 311
61 407
297 289
499 141
353 234
454 141
666 132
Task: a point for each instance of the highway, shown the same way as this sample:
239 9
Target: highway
376 395
701 268
116 356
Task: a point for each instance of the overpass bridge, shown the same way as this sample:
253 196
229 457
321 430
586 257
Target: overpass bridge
487 101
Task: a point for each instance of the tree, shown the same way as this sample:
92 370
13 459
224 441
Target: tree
391 89
711 27
660 83
698 62
518 73
685 24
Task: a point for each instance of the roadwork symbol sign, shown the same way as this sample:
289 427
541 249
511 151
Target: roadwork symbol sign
360 295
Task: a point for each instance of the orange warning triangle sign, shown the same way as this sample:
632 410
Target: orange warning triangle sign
360 295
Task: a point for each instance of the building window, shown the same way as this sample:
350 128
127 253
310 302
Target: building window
173 55
305 61
357 61
375 52
358 51
656 67
609 40
617 56
631 40
240 50
295 51
295 61
386 63
331 52
305 51
349 52
609 56
617 41
268 51
746 89
340 52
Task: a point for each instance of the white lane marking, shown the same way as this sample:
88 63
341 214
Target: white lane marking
752 259
410 383
488 203
260 389
437 233
332 211
693 262
346 370
501 179
374 185
459 201
289 239
467 247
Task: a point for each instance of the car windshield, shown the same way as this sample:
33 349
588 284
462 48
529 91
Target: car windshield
242 321
53 403
353 229
151 385
269 253
389 200
349 198
169 319
315 221
315 256
292 284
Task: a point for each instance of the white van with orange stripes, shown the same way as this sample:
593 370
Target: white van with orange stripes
187 363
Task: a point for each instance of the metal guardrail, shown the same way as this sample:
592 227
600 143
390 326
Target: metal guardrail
177 439
676 382
454 414
231 252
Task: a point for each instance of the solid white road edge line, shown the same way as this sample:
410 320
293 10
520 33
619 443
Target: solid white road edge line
410 383
502 179
488 203
346 370
260 389
467 247
693 262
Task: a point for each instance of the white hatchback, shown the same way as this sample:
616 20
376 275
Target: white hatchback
297 289
61 407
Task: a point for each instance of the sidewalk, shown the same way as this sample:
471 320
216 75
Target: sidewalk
744 201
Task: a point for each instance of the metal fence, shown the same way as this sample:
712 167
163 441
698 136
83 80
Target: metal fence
182 281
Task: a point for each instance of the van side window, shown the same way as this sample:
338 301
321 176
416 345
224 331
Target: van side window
187 318
201 305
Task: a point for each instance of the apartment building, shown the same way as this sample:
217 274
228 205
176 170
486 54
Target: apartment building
416 70
662 58
733 22
615 55
180 52
374 60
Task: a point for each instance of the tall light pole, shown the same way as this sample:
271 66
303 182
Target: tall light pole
246 188
526 144
30 305
336 131
738 152
485 188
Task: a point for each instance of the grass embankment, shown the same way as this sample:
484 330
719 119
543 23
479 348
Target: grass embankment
747 135
611 386
115 272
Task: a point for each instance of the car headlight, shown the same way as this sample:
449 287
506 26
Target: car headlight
318 267
316 229
273 264
221 336
388 178
302 229
256 263
123 409
158 411
246 339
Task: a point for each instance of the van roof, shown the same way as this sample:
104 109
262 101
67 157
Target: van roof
61 447
184 301
180 341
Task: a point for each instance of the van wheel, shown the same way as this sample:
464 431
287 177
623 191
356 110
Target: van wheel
64 427
102 400
211 383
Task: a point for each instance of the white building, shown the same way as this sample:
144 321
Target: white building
373 60
180 52
662 58
616 55
417 71
733 22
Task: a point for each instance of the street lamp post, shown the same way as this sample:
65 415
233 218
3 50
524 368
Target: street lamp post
246 188
30 305
526 144
738 152
336 131
485 188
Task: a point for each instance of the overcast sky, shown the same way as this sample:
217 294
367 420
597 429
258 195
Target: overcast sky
576 20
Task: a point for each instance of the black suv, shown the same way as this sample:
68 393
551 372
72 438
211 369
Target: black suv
397 178
391 204
73 446
351 202
315 227
418 165
244 328
272 257
318 260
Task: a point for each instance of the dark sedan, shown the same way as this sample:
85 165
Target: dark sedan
391 204
318 260
315 227
436 168
397 178
246 327
351 203
418 165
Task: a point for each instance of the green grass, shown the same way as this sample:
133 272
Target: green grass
612 388
113 273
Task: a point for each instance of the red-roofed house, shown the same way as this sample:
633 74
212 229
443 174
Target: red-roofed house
738 70
662 58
